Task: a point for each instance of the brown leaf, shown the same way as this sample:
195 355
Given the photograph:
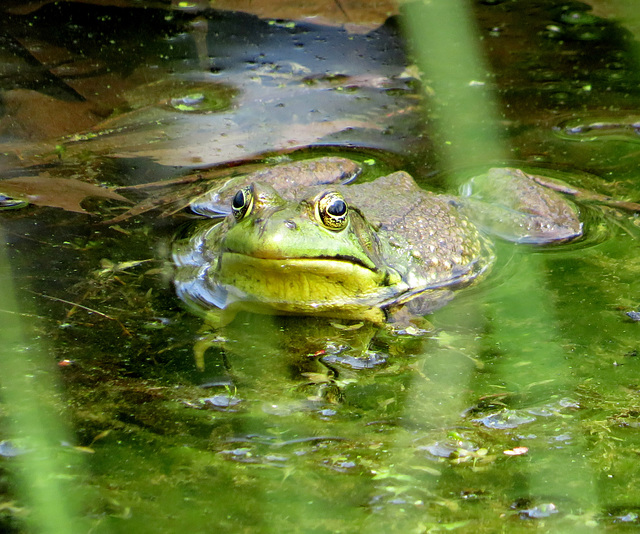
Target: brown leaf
355 15
31 115
43 190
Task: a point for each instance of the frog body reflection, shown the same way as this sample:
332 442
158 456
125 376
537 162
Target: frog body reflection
298 240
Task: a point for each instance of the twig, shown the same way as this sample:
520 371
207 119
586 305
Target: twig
86 308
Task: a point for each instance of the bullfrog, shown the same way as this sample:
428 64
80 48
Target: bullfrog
301 239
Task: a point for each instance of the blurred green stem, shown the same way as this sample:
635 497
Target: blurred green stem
448 52
29 393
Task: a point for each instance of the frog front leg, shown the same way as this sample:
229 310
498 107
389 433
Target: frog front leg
513 205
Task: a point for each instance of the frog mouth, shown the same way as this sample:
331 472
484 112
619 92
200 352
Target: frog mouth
323 281
337 261
325 265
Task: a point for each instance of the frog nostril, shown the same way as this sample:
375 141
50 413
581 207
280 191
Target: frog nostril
290 224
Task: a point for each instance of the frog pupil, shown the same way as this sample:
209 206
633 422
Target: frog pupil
337 208
238 200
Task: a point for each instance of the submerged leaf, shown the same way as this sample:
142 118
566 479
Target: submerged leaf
43 190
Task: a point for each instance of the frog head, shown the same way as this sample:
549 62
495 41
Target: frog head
314 254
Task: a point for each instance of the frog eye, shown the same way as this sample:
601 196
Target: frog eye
242 203
332 210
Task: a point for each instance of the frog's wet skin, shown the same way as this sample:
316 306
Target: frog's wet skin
296 242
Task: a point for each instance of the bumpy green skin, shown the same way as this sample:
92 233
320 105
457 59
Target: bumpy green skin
426 237
401 246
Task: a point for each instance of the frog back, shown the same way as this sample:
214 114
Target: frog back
426 231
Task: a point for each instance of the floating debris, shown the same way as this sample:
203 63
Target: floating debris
505 419
368 361
516 451
539 512
222 401
634 315
9 450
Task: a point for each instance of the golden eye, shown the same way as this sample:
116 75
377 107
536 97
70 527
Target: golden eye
242 203
332 211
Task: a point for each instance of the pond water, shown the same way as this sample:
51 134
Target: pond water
516 409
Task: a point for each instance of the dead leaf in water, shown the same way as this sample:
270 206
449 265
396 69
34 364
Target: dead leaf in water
31 115
67 194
